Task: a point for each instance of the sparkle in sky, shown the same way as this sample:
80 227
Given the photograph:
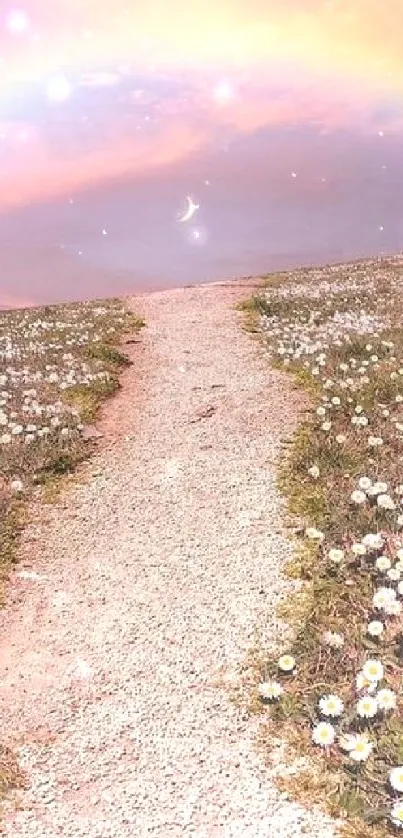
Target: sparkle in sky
17 21
193 106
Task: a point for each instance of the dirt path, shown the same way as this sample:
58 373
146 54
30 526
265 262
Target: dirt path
150 576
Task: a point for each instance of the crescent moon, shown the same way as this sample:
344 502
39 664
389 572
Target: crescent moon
191 209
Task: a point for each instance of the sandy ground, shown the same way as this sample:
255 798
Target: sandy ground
140 594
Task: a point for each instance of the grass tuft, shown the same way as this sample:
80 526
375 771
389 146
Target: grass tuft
10 775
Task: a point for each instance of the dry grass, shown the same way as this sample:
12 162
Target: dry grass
57 364
339 331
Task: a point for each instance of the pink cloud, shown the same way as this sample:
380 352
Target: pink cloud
36 173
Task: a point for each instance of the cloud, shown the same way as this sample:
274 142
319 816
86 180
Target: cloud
35 175
359 38
56 158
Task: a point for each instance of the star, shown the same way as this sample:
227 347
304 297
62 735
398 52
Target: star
224 91
58 89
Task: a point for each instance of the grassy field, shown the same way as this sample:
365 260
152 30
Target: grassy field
336 695
57 364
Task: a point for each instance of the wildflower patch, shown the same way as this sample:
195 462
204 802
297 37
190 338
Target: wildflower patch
57 364
339 331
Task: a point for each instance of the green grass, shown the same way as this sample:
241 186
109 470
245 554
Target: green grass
298 323
57 366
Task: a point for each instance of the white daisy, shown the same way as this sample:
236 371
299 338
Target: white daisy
396 815
361 749
393 608
358 497
270 690
361 682
379 488
385 501
333 639
383 563
373 670
373 541
386 699
286 663
323 734
367 707
314 534
375 628
374 441
358 549
335 555
396 778
347 741
331 705
382 597
16 486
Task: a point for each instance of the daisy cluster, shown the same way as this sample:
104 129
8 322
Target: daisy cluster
47 355
341 327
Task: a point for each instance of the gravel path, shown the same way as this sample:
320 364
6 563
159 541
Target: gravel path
140 593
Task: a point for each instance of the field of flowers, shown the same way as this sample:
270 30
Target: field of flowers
57 364
337 693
